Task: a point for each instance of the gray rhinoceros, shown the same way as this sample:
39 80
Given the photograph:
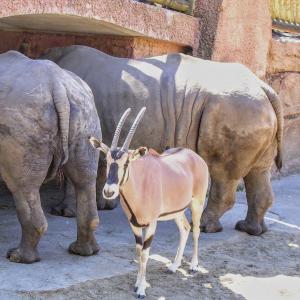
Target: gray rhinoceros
220 110
46 117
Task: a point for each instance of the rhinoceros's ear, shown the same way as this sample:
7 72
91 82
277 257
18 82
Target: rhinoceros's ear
98 144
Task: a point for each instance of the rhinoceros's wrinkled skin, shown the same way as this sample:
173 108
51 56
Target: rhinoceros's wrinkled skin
220 110
46 117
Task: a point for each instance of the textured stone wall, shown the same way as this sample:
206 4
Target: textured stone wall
284 55
284 77
33 44
208 13
124 16
235 31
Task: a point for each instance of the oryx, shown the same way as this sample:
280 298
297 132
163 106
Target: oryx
155 187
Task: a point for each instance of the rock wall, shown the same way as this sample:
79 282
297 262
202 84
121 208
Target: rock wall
235 31
284 55
33 44
123 28
123 17
284 77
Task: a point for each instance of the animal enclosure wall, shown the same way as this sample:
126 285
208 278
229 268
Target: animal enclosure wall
123 28
34 44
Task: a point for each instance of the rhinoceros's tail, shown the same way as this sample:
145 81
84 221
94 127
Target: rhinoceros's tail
62 106
277 106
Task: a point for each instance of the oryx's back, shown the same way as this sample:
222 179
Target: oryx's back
190 167
171 179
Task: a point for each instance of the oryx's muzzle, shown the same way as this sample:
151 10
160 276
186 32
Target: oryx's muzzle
110 191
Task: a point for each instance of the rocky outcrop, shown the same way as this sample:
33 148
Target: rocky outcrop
235 31
34 44
284 55
287 85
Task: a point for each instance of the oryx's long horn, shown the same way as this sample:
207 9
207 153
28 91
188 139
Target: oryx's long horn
115 140
133 129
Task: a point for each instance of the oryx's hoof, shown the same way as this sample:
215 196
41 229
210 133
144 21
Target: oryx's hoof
141 289
172 268
194 268
140 293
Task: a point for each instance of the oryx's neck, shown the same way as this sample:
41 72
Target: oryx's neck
130 182
133 199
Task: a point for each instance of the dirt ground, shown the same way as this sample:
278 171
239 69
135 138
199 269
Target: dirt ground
233 265
223 268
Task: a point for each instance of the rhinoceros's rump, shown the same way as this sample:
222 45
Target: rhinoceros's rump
46 116
220 110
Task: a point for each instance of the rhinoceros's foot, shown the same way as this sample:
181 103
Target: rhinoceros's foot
211 226
252 228
64 210
20 255
84 249
103 204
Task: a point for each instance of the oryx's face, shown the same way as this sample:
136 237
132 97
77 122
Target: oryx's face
118 158
117 162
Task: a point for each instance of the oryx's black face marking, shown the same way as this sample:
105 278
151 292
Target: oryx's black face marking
116 154
112 177
117 162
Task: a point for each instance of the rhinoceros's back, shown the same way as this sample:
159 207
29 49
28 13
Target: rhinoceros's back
27 90
172 87
25 95
118 84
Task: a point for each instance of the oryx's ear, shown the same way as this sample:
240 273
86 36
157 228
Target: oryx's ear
137 153
98 145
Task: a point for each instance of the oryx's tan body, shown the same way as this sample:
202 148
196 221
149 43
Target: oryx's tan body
155 187
160 186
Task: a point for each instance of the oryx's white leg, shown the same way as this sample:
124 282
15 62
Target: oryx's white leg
142 284
184 229
138 234
196 209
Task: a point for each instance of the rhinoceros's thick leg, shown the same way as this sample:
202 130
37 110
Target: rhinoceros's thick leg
221 198
260 198
33 222
82 170
67 207
87 220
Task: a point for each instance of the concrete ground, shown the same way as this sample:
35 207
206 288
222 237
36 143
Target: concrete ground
233 265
